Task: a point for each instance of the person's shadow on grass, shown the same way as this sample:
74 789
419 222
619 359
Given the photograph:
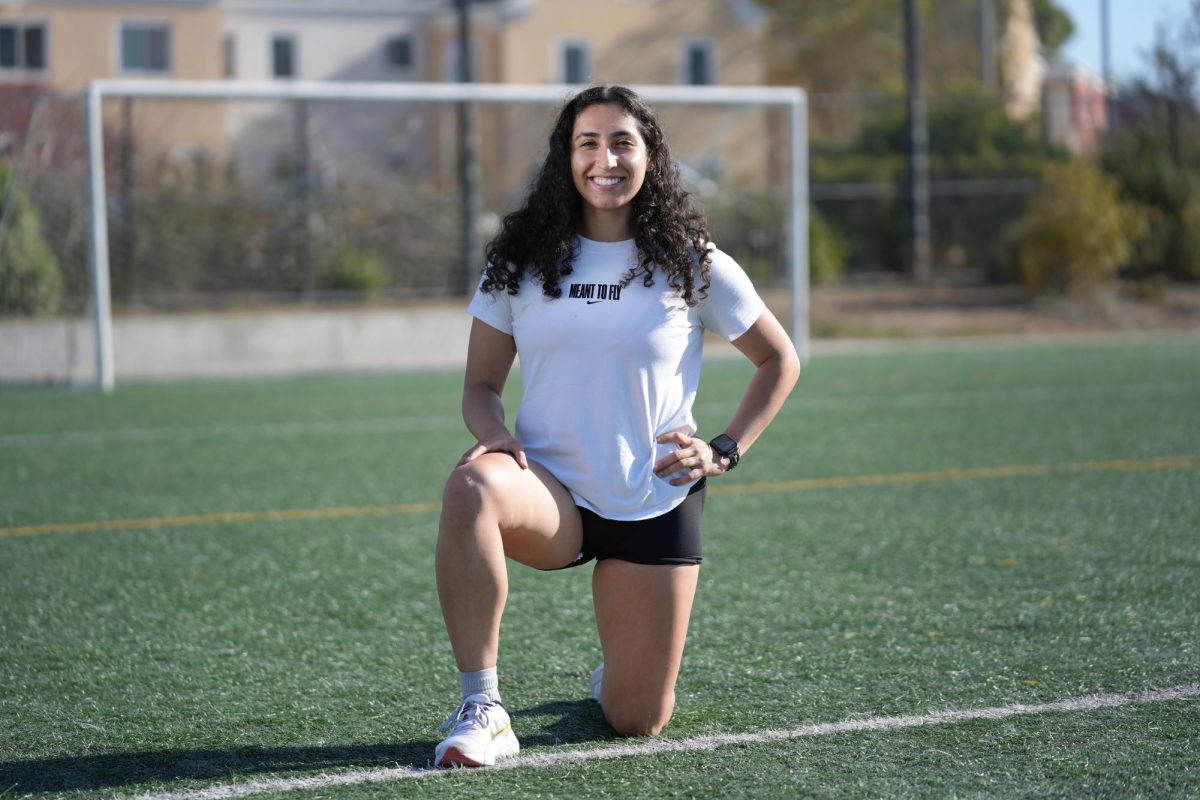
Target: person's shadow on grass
574 722
114 770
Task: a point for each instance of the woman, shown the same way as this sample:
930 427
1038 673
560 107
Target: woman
604 283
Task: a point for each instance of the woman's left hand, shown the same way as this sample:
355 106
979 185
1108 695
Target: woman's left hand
692 459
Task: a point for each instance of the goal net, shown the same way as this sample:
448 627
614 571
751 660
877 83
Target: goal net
211 196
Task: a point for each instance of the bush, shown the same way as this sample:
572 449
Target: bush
827 250
1185 253
1170 197
30 280
1076 233
356 271
753 229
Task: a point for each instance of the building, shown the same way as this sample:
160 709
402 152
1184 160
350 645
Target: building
667 42
1022 64
60 46
64 45
313 179
513 41
1075 108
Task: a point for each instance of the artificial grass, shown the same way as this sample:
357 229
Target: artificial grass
172 657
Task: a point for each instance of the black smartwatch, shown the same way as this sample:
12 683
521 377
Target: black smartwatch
726 447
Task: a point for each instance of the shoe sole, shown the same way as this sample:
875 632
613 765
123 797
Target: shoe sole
453 757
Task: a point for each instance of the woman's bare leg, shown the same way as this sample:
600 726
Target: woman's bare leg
642 613
492 508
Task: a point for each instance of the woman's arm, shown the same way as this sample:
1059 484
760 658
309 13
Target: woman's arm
767 346
490 356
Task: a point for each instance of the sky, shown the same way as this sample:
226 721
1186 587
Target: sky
1133 26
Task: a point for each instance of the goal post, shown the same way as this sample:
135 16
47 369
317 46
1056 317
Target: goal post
791 100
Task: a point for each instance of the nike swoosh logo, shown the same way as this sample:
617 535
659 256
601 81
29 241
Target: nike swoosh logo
502 730
593 302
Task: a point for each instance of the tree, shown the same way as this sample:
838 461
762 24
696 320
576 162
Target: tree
30 281
1054 26
857 46
831 46
1155 152
1076 233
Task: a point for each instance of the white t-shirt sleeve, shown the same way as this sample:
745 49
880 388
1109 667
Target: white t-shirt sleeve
494 308
732 305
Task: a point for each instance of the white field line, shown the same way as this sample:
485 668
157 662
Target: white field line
564 757
265 430
801 404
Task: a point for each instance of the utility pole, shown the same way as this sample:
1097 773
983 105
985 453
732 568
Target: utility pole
127 236
304 188
468 161
918 150
1106 65
987 44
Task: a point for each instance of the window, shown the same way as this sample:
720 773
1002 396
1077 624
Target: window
699 65
23 45
398 52
283 57
145 47
575 66
35 47
229 55
8 46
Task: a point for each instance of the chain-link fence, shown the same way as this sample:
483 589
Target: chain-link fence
244 203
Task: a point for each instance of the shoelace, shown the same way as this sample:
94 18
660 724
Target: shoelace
467 715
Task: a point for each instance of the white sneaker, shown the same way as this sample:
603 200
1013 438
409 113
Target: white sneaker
596 680
482 733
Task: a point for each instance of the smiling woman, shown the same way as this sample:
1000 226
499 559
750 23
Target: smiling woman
540 238
608 165
604 463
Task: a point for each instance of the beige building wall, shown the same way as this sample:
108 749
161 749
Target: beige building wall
1022 65
635 42
83 44
83 41
632 41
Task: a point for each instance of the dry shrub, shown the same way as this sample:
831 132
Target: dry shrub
1077 232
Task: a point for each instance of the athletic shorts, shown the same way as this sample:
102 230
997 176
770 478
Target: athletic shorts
670 538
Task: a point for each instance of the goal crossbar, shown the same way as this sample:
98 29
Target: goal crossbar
793 99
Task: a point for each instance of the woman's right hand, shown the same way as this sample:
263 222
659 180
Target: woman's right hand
500 443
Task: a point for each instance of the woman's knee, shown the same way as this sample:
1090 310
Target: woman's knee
639 718
471 486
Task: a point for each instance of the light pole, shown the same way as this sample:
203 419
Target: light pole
1106 65
918 150
987 44
468 160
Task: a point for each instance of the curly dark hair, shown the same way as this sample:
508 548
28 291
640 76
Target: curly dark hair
540 236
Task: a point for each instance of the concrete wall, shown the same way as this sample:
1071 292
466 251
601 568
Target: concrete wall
237 344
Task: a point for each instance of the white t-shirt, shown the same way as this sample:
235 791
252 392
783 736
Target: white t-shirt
606 369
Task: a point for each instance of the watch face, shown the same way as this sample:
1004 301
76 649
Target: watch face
724 445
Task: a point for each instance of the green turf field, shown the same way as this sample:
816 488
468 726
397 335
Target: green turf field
212 584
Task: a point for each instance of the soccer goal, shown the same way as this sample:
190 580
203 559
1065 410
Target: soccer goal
324 147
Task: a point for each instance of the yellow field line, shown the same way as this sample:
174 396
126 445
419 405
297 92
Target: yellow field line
220 517
806 484
972 473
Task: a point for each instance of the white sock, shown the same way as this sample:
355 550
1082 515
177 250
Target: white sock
482 682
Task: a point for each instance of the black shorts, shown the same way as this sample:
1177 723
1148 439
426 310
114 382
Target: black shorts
670 538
